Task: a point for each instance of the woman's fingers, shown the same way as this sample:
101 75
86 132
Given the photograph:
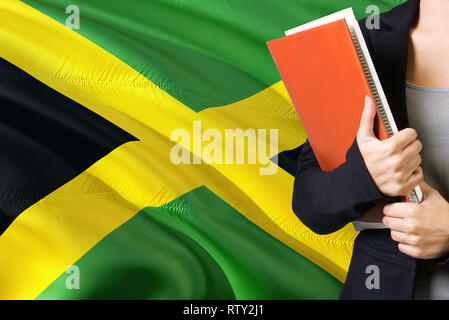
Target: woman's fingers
403 237
412 166
413 149
396 224
403 138
415 179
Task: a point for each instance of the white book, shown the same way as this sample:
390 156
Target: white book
384 111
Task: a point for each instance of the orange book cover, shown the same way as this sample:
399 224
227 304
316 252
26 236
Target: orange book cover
325 80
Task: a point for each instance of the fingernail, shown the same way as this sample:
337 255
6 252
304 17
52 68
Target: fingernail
366 99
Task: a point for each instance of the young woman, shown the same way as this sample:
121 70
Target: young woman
409 51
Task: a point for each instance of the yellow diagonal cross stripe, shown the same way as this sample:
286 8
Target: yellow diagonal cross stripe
139 174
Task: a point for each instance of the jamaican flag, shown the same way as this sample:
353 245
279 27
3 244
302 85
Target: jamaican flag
88 185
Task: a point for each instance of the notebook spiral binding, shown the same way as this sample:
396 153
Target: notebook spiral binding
413 197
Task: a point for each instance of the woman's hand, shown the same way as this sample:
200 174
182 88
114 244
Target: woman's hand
394 163
422 230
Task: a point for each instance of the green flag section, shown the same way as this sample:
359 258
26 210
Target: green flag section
134 224
194 247
203 53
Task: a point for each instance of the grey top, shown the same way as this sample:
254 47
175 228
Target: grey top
428 113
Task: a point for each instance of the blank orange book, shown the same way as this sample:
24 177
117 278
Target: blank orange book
327 85
327 71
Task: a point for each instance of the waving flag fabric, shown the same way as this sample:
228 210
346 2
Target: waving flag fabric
86 178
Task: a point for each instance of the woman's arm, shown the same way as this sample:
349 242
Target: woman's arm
327 201
374 172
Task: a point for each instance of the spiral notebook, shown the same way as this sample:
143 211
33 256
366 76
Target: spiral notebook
327 70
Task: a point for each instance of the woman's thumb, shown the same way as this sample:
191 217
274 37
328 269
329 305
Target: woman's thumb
367 121
425 189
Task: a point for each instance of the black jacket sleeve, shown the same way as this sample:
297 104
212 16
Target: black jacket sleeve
326 201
